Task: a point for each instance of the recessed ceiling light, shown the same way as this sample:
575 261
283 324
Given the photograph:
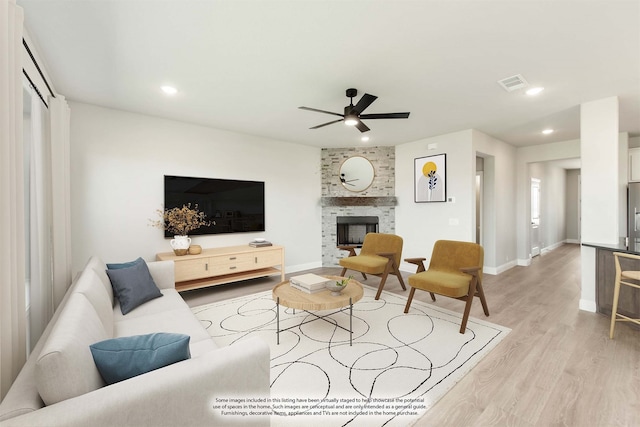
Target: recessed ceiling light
534 91
169 90
364 138
547 131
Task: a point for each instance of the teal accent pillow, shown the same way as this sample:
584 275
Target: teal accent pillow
133 286
124 264
121 358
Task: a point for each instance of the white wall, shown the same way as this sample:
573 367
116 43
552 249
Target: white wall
600 171
421 224
499 201
553 192
555 206
118 160
572 206
600 180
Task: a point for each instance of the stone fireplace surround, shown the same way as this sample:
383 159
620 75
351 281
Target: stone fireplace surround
377 200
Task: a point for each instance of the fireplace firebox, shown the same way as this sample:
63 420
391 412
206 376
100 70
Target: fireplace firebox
352 229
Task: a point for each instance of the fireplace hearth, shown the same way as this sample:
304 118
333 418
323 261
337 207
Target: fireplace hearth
352 229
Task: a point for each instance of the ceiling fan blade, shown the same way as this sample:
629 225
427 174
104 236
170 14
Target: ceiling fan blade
364 102
385 116
325 124
361 126
321 111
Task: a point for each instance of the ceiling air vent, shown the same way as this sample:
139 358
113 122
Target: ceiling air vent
512 83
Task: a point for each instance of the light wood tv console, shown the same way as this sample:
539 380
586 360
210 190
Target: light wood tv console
217 266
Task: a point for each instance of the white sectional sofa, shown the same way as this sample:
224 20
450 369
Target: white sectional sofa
61 370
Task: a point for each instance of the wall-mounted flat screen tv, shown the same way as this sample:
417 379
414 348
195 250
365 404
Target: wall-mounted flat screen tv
235 206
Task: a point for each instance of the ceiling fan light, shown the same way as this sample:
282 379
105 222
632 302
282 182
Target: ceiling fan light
350 120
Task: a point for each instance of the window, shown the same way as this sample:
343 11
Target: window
37 199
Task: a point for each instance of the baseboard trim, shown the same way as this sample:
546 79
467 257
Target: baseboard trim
524 262
552 247
494 271
490 270
587 305
302 267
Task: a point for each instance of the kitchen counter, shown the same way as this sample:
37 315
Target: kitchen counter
631 249
629 303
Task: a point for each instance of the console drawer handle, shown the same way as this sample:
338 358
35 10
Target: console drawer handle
232 267
232 258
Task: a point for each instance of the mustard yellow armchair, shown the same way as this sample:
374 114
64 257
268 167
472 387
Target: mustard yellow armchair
380 256
455 271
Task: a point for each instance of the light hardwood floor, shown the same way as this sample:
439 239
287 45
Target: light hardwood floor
557 366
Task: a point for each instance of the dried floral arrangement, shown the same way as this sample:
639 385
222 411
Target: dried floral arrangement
180 221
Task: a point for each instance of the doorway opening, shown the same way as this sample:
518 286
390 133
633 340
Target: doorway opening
479 198
535 217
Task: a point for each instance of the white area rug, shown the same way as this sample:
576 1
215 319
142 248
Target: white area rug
397 368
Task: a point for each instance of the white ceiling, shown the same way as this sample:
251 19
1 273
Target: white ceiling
246 66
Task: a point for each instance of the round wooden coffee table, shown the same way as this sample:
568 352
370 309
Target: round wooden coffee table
285 294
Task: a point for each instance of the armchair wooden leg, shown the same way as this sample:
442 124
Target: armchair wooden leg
382 281
344 270
465 316
383 278
463 326
467 306
411 292
483 300
399 276
433 296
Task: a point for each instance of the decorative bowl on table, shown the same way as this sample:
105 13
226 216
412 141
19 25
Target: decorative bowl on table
336 287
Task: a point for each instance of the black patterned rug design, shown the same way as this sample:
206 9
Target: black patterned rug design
397 368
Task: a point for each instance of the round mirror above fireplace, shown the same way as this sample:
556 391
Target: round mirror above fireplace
356 173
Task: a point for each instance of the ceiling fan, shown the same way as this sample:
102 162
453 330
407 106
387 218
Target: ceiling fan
353 113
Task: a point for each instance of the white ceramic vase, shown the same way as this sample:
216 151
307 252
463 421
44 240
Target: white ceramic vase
180 244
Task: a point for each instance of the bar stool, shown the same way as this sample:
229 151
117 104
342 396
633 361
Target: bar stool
620 280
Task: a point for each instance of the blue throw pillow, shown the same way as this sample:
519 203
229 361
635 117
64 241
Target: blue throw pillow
124 264
118 359
133 286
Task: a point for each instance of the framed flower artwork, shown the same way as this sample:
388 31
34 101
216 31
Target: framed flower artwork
430 177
